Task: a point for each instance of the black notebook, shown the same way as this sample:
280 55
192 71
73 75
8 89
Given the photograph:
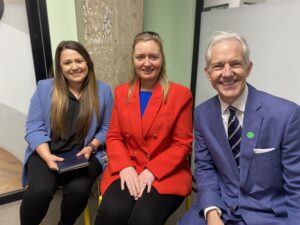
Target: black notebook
71 162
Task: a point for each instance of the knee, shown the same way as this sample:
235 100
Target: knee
40 192
107 213
77 191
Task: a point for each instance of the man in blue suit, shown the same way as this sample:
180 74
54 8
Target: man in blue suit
256 180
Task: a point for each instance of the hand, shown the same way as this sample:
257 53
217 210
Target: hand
129 176
44 152
51 161
87 151
213 218
146 179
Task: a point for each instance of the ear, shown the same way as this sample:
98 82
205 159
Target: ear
249 68
206 70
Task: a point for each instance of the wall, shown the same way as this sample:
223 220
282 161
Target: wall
273 36
17 80
107 28
62 21
174 21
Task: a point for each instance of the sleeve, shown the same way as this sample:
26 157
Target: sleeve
36 131
182 136
106 113
117 152
207 179
290 162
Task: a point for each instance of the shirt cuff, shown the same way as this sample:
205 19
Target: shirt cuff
206 210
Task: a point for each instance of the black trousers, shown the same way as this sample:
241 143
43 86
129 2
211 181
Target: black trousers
43 183
119 208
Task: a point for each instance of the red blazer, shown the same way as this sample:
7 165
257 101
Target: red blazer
160 141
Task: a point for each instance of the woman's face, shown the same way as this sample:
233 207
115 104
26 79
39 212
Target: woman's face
147 60
74 67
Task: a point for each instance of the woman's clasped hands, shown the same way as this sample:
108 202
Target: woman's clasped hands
136 183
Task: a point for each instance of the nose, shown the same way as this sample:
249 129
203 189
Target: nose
74 66
227 70
147 61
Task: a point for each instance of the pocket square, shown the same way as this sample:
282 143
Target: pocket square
262 150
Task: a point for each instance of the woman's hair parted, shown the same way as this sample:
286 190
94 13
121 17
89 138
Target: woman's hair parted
89 99
162 77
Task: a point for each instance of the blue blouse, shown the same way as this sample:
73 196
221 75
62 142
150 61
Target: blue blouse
144 98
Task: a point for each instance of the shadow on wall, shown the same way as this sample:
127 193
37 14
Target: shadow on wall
12 131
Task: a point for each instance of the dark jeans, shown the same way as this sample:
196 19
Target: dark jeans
43 183
119 208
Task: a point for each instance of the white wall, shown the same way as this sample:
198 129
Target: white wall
17 79
273 33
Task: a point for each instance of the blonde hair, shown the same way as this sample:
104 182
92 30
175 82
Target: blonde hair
89 100
163 79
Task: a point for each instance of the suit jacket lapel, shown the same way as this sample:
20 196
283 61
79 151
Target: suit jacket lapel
134 111
219 131
152 109
251 128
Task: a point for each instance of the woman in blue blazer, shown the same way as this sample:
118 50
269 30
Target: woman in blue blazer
68 113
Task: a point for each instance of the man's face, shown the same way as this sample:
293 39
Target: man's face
227 70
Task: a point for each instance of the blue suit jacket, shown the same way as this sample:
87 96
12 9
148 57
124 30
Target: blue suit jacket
38 120
266 190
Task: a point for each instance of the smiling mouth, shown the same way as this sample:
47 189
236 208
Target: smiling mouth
76 73
229 82
147 71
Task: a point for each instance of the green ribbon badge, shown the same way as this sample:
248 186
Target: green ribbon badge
250 135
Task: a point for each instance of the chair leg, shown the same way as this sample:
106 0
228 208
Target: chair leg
187 202
99 199
86 216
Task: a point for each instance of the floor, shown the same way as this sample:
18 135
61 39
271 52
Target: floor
10 172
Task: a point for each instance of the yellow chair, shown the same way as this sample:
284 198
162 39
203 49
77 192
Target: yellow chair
187 202
86 215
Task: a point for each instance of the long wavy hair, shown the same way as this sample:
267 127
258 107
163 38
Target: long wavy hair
89 99
163 79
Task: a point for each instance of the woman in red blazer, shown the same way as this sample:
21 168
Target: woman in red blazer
148 143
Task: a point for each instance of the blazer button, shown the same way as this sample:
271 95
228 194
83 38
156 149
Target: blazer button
155 135
148 156
127 136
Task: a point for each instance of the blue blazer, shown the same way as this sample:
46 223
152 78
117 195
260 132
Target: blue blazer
38 120
266 190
